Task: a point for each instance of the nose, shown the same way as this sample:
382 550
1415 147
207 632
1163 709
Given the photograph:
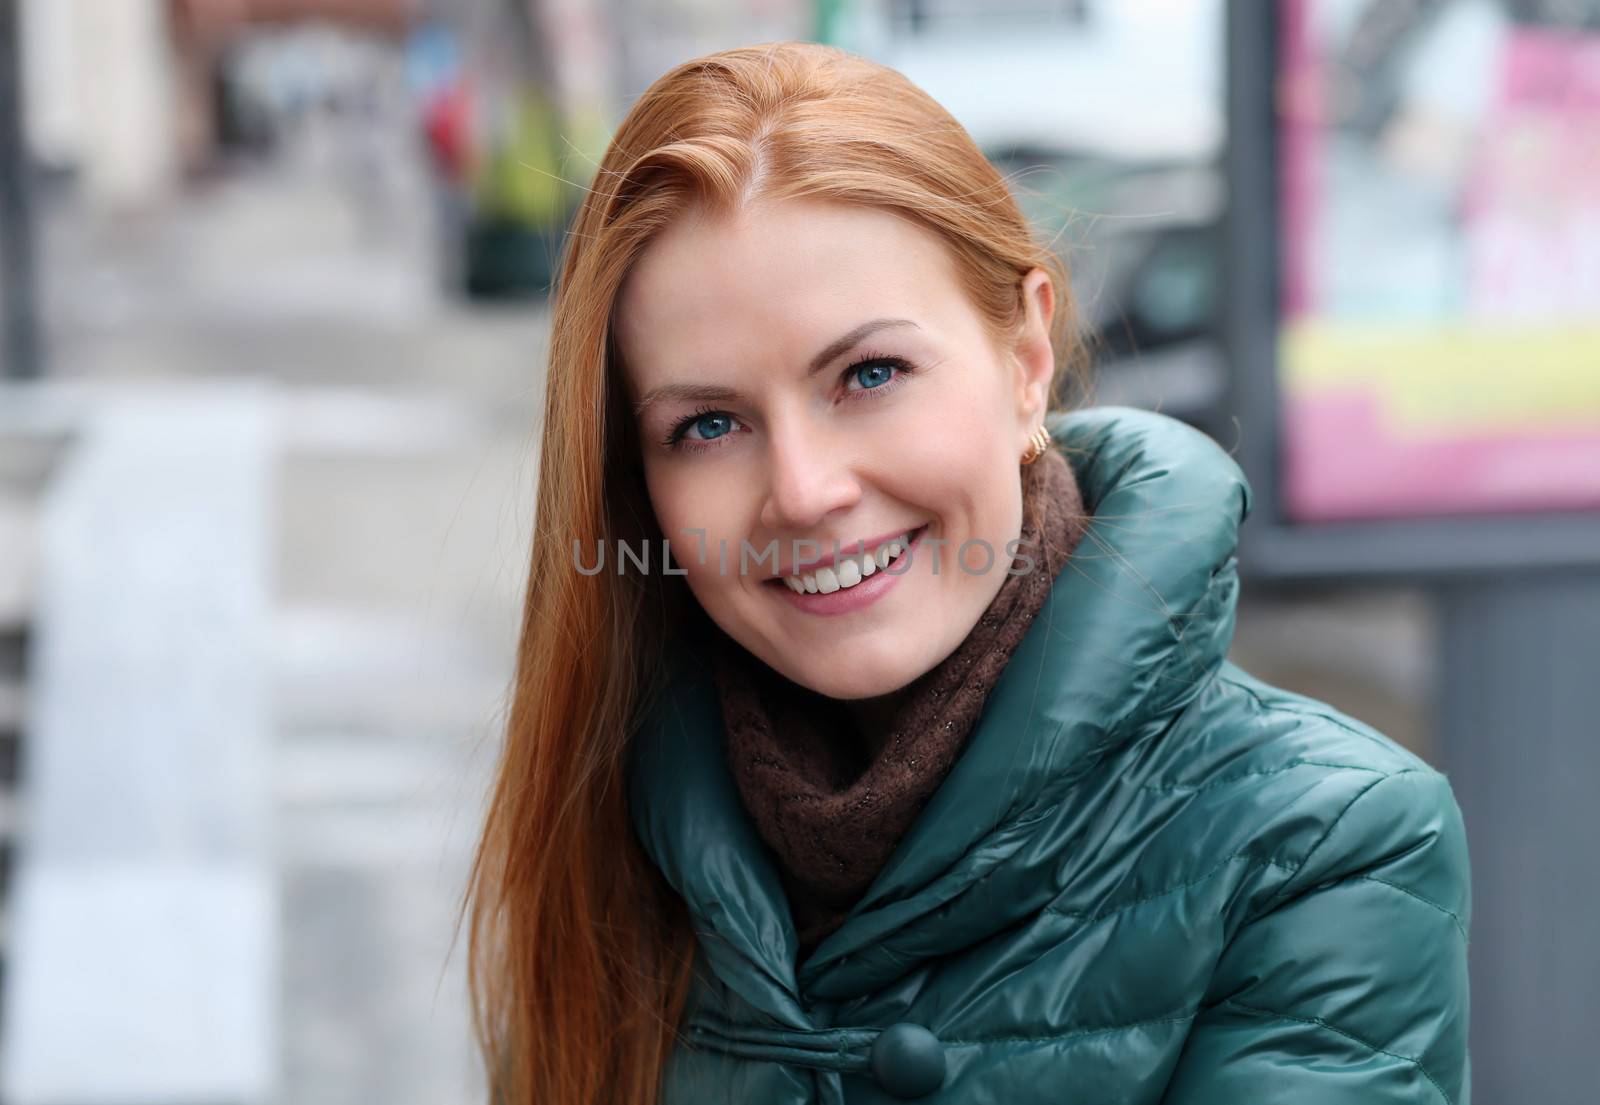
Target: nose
808 479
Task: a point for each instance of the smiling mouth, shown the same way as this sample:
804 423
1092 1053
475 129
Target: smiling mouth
847 571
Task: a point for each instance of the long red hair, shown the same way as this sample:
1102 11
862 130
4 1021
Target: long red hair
579 954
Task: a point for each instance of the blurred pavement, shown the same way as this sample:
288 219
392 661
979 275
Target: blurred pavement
406 427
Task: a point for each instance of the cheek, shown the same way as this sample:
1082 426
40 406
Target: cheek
956 468
958 412
974 494
683 504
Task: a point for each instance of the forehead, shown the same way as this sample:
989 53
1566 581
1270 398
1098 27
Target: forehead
772 284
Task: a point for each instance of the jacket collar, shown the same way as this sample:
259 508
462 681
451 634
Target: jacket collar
1134 626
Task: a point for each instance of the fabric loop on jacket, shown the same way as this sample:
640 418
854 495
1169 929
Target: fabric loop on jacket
831 1049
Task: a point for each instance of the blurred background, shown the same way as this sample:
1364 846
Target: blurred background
273 276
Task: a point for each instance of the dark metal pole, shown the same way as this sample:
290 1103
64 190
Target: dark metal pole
22 350
1519 701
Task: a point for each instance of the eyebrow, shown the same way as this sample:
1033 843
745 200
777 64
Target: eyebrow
717 393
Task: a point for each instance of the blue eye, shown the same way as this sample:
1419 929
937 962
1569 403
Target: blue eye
874 375
712 425
873 372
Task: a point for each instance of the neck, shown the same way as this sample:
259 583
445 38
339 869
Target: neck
873 718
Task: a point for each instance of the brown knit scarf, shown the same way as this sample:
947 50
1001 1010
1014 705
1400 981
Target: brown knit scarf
830 810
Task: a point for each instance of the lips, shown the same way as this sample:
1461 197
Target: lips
848 570
855 548
850 599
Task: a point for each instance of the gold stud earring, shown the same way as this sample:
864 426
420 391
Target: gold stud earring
1038 445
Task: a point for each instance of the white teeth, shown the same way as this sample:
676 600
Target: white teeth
847 571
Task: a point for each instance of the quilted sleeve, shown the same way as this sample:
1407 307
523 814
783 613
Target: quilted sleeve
1350 986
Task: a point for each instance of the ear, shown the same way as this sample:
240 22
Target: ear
1034 361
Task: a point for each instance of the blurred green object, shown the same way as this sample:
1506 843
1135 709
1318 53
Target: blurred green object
827 15
521 205
521 180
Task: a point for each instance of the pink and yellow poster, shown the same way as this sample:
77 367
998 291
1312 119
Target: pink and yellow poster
1440 340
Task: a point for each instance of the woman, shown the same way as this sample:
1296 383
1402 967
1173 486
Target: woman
927 778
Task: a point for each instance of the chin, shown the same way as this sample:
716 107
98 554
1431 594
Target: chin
850 683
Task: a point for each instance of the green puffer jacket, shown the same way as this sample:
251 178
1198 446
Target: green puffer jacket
1148 878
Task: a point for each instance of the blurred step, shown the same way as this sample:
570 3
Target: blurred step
11 816
379 801
367 671
13 698
13 724
37 427
143 937
18 562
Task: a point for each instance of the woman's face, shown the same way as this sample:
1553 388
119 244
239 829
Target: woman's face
805 373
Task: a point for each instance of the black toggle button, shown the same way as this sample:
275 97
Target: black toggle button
908 1061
